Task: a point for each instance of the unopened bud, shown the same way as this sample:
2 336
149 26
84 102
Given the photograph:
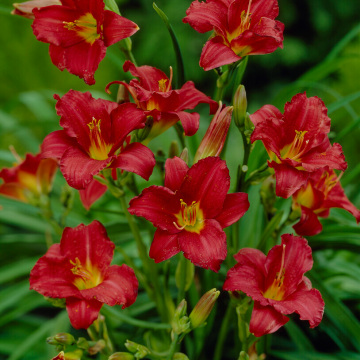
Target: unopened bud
139 350
203 308
122 95
180 321
240 106
25 9
180 356
215 136
56 302
60 356
268 196
243 356
185 155
144 132
121 356
65 339
74 355
100 345
174 149
51 341
82 343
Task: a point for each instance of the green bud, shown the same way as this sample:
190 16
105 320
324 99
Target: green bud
203 308
243 356
56 302
97 347
268 196
121 356
144 132
139 350
180 321
249 127
240 105
74 355
51 341
82 343
180 356
174 149
185 155
65 339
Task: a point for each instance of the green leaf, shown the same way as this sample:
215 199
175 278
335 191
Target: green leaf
346 130
13 294
180 69
298 337
190 271
17 269
343 101
291 355
269 229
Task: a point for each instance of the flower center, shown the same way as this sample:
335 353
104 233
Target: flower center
162 82
86 279
275 291
85 26
189 217
327 182
245 21
98 149
295 149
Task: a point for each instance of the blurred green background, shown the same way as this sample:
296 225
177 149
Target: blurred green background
321 55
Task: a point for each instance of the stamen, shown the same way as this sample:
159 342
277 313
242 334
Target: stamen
162 86
282 264
178 227
15 154
171 77
188 214
248 11
80 271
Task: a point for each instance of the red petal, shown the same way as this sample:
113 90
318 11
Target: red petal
82 313
14 190
305 114
158 205
48 25
45 174
93 192
57 56
189 121
288 179
251 257
175 171
90 244
215 53
55 144
204 17
136 158
52 277
263 9
117 28
206 249
124 119
309 223
333 158
234 14
189 98
266 320
264 113
207 182
78 109
119 287
307 303
164 246
78 168
235 206
84 58
247 276
298 260
149 76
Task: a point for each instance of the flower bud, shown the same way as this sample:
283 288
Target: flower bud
139 350
97 347
60 356
174 149
74 355
215 136
185 155
180 321
121 356
25 9
51 341
243 356
180 356
122 95
203 308
144 132
268 196
240 105
64 339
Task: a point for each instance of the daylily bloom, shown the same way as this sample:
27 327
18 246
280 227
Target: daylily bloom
277 284
297 141
79 33
28 179
153 94
94 138
215 136
26 8
240 28
315 199
78 269
191 211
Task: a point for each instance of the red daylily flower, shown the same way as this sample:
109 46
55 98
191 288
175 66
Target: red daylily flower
153 94
191 211
241 28
277 284
26 8
79 32
29 179
297 141
78 269
321 193
94 138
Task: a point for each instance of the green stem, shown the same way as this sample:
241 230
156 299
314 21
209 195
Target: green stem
173 347
241 184
223 332
180 134
219 93
48 215
181 293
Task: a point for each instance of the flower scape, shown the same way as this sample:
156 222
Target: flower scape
179 225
